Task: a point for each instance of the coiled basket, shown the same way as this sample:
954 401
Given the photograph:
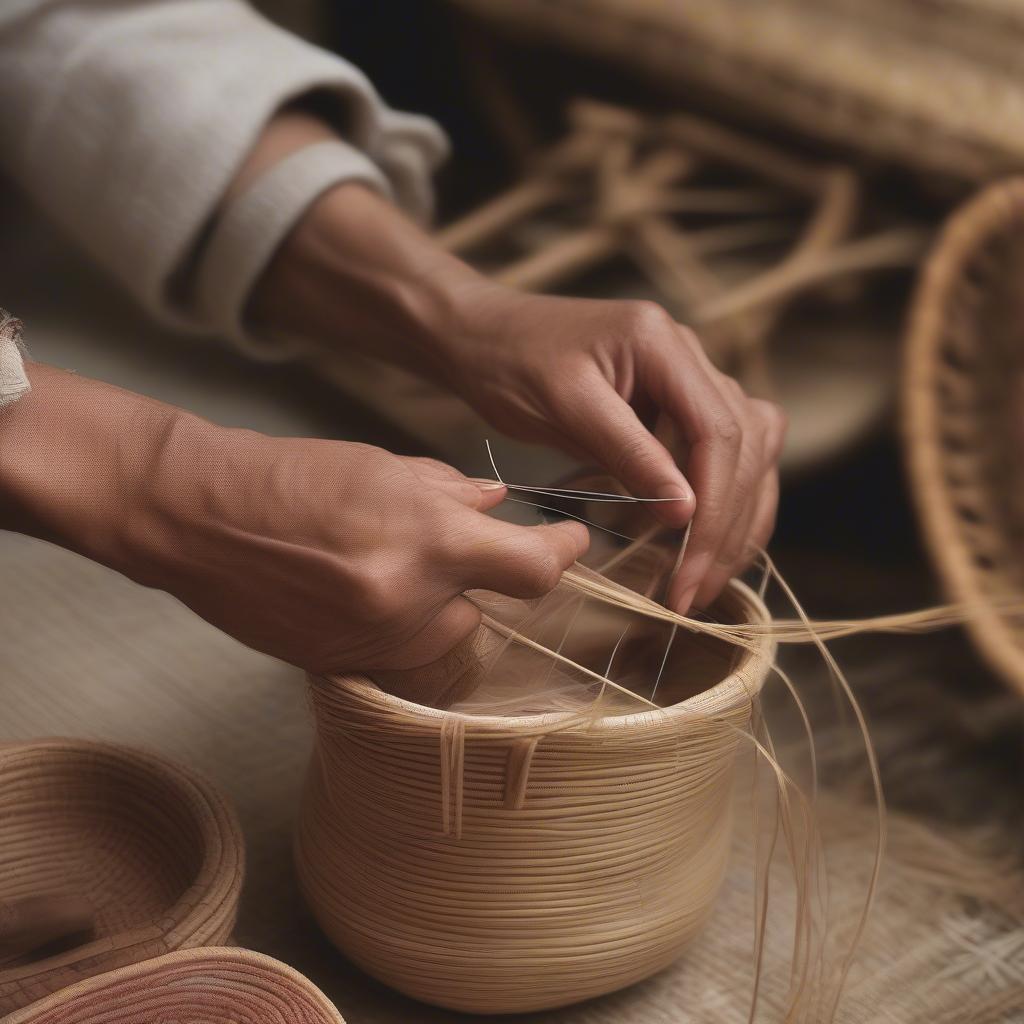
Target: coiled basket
501 865
152 850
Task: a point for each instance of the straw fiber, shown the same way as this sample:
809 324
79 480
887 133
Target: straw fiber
964 415
497 864
151 849
215 985
931 85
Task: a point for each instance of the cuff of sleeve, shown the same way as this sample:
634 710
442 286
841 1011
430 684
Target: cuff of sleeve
13 379
248 232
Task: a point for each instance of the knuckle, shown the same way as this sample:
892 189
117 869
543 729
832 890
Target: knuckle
628 453
646 318
726 429
543 571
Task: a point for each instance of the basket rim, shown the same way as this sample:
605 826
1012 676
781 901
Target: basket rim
206 958
743 682
218 877
990 214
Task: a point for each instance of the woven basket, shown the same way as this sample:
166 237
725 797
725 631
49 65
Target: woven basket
500 865
154 850
194 985
963 415
931 84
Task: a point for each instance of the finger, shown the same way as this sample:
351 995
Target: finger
753 533
716 444
613 435
456 621
521 561
481 495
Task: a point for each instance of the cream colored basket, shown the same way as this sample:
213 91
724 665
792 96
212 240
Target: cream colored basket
194 986
154 851
501 865
963 416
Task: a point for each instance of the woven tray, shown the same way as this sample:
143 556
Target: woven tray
215 984
154 851
932 85
963 415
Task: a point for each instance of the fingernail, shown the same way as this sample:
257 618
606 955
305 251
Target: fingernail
486 485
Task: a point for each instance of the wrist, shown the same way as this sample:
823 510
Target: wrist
356 274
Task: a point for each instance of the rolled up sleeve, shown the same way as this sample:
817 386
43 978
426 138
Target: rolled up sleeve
126 120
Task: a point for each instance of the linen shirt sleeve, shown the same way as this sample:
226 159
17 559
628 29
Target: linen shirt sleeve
125 120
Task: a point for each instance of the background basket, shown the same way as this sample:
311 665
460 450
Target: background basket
500 865
933 85
154 850
964 415
234 985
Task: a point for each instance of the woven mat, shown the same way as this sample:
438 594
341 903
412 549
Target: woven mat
85 652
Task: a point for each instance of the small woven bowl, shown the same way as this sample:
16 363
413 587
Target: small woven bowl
963 416
502 865
154 850
193 985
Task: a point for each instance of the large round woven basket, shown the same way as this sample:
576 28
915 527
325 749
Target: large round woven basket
964 416
500 865
932 86
153 850
194 985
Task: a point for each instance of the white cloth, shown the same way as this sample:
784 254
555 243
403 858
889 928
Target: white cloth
125 120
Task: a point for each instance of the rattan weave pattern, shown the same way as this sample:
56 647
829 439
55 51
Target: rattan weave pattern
963 415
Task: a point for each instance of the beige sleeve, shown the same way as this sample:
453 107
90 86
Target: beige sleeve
13 382
125 121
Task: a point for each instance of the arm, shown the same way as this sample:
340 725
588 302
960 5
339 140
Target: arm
587 376
331 556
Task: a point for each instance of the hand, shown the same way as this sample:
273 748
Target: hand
337 556
329 555
591 377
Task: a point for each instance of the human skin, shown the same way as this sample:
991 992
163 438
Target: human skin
337 556
587 376
330 555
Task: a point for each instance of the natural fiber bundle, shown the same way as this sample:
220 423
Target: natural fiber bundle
154 851
215 985
964 416
504 864
934 86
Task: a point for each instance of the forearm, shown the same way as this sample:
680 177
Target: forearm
356 273
67 474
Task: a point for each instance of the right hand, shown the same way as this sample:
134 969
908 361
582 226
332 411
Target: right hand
330 555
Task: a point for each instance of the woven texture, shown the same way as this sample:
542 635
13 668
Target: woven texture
494 864
212 984
84 651
153 849
964 415
935 86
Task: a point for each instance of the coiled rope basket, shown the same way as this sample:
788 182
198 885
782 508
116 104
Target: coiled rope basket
192 986
152 851
505 864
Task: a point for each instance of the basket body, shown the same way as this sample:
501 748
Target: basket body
154 850
507 865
